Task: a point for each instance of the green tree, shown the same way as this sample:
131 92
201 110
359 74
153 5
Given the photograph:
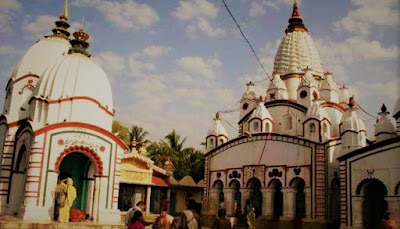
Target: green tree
121 131
186 161
139 134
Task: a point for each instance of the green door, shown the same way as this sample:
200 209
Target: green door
76 166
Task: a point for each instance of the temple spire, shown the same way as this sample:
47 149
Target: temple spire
61 29
296 12
66 10
296 20
80 42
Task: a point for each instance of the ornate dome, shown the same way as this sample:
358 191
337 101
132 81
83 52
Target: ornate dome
75 77
217 128
249 94
316 111
351 122
297 49
308 80
46 50
261 112
276 83
384 125
328 83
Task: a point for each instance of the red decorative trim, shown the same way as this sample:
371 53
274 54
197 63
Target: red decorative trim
86 151
331 104
77 98
26 76
82 125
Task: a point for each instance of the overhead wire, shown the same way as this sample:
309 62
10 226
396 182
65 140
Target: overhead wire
248 42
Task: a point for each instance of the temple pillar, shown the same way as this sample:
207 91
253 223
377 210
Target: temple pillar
213 200
357 211
229 200
269 200
307 194
148 198
289 205
265 201
245 196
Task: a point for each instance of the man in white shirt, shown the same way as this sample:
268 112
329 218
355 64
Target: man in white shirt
140 206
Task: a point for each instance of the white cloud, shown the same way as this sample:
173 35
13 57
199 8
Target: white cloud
138 67
201 15
208 29
110 61
156 50
6 5
353 50
7 14
40 26
369 13
256 9
200 66
126 15
194 9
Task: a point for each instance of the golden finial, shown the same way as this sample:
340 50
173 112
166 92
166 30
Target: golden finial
66 9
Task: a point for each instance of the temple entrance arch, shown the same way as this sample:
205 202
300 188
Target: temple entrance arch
80 168
237 196
335 201
277 198
218 185
374 204
300 200
254 185
84 166
17 194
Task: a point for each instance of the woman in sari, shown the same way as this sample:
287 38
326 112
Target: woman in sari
70 195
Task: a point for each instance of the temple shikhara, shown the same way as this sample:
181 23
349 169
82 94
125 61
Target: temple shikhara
302 150
301 153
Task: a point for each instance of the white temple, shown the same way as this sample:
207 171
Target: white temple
56 123
302 150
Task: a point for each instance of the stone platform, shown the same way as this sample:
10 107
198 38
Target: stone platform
10 222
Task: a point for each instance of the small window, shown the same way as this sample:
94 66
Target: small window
325 128
288 121
267 127
245 106
312 128
211 143
221 141
255 126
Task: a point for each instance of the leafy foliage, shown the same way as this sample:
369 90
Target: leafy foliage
121 131
186 161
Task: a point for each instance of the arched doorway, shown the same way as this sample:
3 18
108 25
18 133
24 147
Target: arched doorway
277 198
19 179
218 185
254 185
374 204
237 197
80 168
335 201
300 202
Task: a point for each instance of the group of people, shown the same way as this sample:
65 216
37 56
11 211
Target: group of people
189 218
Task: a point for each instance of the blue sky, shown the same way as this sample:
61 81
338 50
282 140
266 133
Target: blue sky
173 64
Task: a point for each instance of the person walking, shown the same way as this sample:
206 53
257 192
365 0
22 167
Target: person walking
189 218
222 222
